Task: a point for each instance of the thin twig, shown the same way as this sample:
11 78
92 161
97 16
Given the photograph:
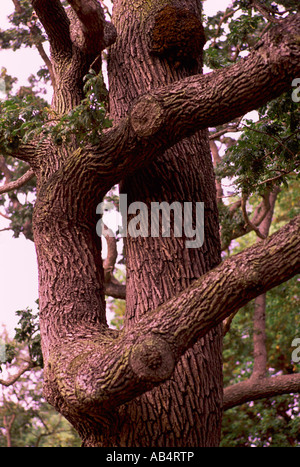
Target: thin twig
247 220
15 377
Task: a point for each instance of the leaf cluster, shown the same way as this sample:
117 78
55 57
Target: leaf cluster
20 116
26 116
21 34
268 151
86 121
28 333
232 33
267 423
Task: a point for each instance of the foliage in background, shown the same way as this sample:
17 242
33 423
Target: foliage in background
272 422
25 116
26 419
268 151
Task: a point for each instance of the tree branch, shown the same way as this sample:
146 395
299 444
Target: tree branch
259 318
112 253
216 160
112 286
266 12
260 212
98 32
249 223
56 23
15 377
37 39
17 183
115 290
252 390
165 116
145 355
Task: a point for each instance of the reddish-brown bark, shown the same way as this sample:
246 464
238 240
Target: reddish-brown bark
158 381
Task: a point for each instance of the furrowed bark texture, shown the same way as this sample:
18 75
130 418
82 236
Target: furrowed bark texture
133 388
186 410
101 371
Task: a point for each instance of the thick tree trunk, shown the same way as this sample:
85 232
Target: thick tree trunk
119 388
186 410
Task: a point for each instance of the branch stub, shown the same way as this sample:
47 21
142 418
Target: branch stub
146 116
152 359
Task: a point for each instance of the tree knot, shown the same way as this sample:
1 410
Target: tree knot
151 359
178 35
146 116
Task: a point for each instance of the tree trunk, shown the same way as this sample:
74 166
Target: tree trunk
186 410
119 388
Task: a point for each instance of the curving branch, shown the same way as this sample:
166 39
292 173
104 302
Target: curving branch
14 378
17 183
231 128
267 12
165 116
112 253
255 389
37 39
145 355
250 224
259 215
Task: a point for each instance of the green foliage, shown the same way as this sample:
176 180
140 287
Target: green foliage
275 421
118 309
20 117
267 423
20 35
232 33
242 29
28 333
230 221
26 116
86 121
268 150
26 419
21 220
267 153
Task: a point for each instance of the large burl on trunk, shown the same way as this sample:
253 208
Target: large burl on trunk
157 382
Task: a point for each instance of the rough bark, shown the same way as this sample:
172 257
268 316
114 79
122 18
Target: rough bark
254 390
177 412
90 370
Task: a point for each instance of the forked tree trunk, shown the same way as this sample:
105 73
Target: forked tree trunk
102 380
186 410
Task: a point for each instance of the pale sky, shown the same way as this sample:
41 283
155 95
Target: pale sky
18 269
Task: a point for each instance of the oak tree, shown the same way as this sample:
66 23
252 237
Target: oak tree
157 381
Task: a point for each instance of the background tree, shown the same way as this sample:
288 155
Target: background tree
159 380
26 420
